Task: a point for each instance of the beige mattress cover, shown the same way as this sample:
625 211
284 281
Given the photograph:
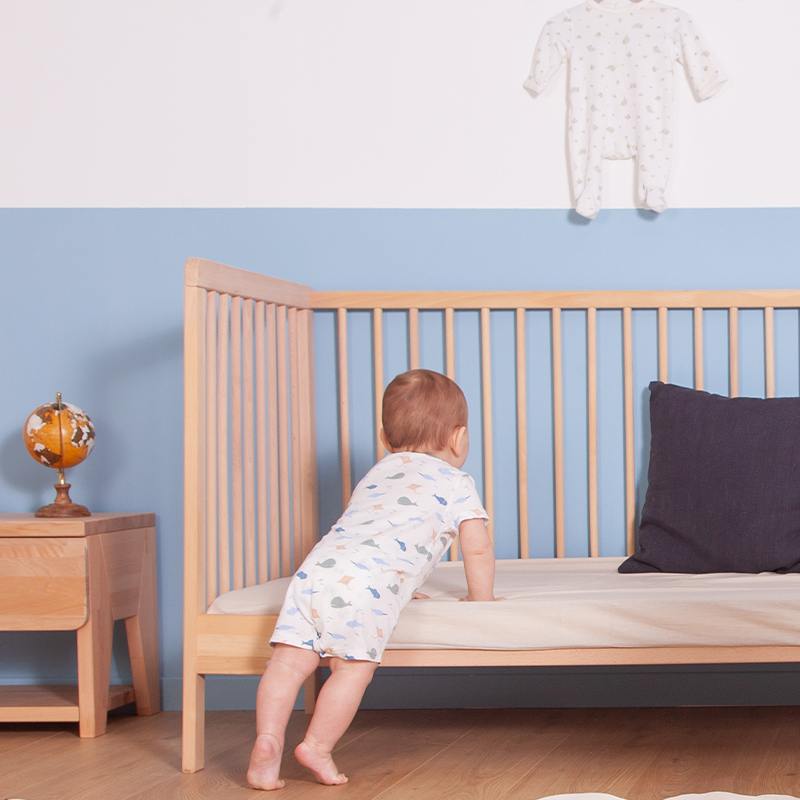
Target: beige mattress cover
580 602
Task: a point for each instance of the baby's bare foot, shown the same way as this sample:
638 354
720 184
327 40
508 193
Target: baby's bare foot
321 765
265 763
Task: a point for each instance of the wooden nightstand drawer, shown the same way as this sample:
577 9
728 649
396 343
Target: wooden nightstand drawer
43 584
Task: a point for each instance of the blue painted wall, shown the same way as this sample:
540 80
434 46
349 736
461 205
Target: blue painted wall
91 306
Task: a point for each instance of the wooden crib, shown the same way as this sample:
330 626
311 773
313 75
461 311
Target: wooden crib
251 412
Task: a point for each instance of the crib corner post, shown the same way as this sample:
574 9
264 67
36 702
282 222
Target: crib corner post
195 311
194 722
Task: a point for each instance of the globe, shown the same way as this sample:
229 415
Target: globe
59 435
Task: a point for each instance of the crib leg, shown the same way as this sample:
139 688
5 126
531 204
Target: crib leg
312 687
194 722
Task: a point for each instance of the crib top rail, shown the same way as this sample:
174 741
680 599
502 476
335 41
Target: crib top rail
511 299
202 274
223 279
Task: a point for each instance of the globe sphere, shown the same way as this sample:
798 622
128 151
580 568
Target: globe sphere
59 435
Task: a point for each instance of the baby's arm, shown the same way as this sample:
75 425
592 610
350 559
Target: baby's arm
478 552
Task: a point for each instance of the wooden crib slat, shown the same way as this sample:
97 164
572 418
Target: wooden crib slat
413 338
450 343
450 371
488 443
211 445
558 432
522 437
733 351
262 532
591 342
223 483
308 423
283 447
698 349
236 443
344 409
630 466
248 449
663 345
297 480
769 349
377 351
272 424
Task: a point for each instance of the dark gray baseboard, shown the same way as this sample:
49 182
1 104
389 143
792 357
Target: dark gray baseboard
585 687
543 687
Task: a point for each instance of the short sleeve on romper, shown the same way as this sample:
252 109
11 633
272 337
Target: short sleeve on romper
465 503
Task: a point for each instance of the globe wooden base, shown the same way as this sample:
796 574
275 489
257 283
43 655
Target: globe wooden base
63 506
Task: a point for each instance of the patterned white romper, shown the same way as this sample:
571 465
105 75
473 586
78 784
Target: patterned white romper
347 596
621 86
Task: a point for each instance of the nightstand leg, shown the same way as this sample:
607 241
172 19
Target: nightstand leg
142 633
94 647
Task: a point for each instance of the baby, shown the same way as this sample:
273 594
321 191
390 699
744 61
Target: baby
345 599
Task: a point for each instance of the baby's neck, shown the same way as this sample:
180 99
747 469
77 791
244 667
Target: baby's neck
444 455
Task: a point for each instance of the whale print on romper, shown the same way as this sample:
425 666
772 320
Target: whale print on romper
621 61
347 596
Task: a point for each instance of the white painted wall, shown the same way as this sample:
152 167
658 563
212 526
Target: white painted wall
355 103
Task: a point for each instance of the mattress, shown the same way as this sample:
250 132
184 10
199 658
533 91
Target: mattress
579 602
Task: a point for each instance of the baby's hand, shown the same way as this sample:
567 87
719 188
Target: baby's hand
420 596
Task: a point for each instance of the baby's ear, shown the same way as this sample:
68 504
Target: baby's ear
458 441
385 441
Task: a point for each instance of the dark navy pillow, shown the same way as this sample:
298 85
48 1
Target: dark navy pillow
723 489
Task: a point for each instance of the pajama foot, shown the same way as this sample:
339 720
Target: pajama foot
654 199
587 206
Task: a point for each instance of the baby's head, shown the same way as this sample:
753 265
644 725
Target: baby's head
423 412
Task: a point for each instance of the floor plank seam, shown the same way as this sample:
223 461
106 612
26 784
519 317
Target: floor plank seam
422 764
539 761
339 747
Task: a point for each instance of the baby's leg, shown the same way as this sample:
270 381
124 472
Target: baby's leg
285 674
336 706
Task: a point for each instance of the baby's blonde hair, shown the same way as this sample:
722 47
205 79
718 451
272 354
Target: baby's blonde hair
421 409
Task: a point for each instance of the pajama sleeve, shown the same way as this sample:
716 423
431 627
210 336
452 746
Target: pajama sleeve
466 504
704 72
550 52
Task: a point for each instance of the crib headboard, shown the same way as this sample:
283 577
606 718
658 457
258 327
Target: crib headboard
551 373
250 483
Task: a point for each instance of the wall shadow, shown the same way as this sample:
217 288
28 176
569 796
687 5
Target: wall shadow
135 405
20 471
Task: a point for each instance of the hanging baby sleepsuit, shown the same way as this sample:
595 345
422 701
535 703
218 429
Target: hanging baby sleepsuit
621 85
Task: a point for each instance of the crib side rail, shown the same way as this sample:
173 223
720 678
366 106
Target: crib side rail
574 403
250 502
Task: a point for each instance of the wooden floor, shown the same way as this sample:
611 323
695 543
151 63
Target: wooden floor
521 754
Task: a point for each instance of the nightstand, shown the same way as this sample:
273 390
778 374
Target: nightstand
82 574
